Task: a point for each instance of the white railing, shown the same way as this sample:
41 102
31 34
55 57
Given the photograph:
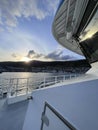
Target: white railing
18 86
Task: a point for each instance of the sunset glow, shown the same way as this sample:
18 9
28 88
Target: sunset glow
26 59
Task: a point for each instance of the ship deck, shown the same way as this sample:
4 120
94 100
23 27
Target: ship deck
12 116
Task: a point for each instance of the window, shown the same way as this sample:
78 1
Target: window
89 39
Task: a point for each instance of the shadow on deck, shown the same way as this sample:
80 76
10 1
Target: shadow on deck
12 116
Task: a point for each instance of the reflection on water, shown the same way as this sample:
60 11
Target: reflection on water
25 81
8 75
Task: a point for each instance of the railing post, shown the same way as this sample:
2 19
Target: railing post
44 82
10 86
63 77
17 86
27 86
55 79
70 76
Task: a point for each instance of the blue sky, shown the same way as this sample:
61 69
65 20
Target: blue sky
26 31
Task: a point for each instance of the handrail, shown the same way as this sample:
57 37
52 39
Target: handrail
44 77
12 85
67 123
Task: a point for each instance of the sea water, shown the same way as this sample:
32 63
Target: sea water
35 76
24 79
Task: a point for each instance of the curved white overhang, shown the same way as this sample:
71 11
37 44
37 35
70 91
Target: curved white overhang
67 21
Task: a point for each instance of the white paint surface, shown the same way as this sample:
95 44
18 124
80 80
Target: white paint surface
19 98
76 102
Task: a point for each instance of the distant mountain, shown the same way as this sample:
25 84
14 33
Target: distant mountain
45 66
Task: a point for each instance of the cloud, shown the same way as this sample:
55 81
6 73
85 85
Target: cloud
30 53
33 55
14 55
53 56
52 5
12 10
58 55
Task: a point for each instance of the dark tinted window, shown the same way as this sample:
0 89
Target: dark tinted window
90 48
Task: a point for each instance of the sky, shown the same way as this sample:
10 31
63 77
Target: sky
26 31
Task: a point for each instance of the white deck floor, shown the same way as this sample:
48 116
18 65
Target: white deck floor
76 102
12 116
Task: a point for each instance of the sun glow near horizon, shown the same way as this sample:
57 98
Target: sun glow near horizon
25 59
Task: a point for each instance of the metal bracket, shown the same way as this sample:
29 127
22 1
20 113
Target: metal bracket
45 119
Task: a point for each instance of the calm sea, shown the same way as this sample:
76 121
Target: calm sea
27 75
33 78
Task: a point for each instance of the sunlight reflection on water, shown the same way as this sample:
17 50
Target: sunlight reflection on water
27 75
22 77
